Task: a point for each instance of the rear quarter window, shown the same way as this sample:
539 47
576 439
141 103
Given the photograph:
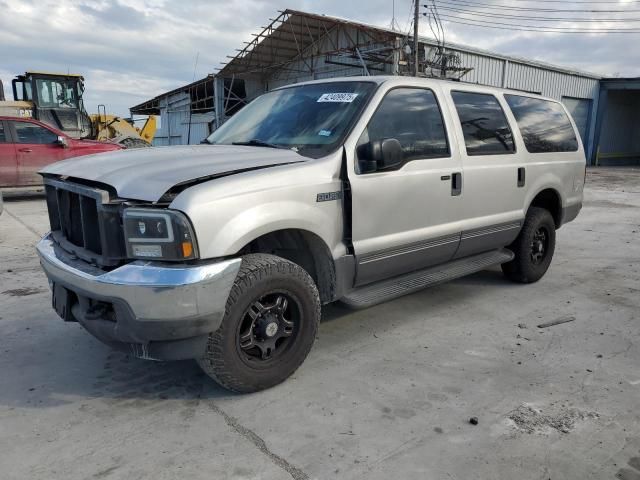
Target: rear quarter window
544 125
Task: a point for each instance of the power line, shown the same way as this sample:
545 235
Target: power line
616 2
586 30
541 19
529 28
470 3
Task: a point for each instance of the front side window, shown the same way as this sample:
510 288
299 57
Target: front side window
544 125
3 136
56 93
412 116
310 119
34 134
484 125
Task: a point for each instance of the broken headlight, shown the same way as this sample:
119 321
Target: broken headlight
155 234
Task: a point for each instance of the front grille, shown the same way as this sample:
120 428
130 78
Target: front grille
84 223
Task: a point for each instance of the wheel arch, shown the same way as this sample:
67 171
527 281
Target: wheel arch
304 248
551 200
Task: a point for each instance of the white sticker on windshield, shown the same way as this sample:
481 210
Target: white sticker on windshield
324 133
338 97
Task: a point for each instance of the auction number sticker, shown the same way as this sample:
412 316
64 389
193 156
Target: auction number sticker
338 97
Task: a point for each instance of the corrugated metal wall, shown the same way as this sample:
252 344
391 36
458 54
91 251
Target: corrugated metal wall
174 122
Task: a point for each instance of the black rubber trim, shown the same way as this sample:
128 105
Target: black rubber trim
570 213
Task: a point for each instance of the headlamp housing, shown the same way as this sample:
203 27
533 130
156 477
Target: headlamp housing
158 234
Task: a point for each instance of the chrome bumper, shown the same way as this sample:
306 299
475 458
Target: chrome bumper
154 292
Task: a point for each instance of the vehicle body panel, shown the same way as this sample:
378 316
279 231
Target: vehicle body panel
407 217
229 212
148 173
20 161
8 160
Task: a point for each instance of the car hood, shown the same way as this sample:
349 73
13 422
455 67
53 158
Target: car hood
148 173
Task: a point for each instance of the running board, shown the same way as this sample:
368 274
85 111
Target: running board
385 290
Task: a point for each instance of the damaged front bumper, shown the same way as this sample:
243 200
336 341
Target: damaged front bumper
150 309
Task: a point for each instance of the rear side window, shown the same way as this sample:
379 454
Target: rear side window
484 125
411 116
3 136
544 125
32 133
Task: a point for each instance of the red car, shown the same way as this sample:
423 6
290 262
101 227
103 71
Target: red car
27 145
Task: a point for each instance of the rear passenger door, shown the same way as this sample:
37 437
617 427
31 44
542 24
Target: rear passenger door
8 162
494 173
405 218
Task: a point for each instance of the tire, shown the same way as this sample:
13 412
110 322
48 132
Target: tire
131 142
530 263
247 353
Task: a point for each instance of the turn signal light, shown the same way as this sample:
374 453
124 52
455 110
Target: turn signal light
187 249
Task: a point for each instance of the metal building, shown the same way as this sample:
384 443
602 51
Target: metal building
298 46
617 131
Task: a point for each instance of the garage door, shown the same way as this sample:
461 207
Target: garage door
579 108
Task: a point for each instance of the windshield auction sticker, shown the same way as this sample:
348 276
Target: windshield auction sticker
338 97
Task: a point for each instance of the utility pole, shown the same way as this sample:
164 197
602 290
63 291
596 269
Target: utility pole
416 18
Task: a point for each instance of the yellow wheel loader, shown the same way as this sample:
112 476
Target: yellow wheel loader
56 99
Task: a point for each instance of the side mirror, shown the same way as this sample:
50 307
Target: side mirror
62 141
380 155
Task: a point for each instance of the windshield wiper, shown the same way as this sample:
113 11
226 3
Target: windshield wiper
254 142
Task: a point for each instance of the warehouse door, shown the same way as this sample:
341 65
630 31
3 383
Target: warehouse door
580 110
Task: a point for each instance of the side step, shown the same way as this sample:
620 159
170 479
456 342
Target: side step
385 290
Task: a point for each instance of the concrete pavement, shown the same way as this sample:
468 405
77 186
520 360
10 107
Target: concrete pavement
386 392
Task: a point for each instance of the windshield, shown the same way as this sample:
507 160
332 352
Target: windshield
57 93
311 119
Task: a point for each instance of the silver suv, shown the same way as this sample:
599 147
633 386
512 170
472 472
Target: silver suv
354 189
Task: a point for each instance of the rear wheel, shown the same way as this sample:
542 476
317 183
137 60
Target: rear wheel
533 248
270 324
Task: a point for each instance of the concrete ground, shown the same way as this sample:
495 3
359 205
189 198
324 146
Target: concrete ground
385 393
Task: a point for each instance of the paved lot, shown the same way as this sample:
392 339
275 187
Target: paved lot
386 392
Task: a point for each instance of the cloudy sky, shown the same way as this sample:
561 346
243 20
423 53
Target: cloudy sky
131 50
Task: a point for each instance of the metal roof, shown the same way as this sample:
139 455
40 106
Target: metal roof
293 32
152 107
292 35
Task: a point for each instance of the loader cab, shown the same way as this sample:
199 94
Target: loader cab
57 100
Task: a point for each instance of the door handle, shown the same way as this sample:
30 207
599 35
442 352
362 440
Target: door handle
456 184
521 177
25 150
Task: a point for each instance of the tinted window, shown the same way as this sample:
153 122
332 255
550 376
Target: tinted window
411 116
486 130
32 133
3 137
311 119
544 125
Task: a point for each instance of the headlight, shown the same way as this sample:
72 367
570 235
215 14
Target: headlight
159 234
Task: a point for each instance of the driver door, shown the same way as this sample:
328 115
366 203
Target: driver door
36 146
406 218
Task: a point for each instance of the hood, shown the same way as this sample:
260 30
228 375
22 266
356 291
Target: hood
148 173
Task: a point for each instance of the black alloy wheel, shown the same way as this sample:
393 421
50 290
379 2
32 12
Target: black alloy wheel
269 327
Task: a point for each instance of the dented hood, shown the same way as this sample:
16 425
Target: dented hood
147 173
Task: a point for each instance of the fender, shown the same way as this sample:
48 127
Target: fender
241 229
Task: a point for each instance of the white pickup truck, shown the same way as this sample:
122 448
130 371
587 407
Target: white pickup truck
355 189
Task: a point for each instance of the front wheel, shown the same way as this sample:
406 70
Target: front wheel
270 323
533 248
